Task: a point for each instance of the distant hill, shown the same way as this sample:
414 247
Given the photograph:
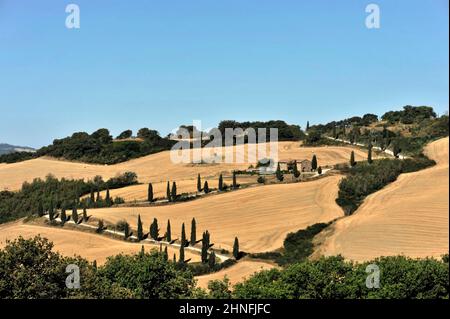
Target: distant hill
7 149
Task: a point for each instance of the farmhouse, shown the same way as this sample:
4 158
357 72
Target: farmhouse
303 165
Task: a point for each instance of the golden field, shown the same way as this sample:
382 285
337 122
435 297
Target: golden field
409 216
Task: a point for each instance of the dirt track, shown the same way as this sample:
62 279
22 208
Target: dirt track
409 216
71 242
260 216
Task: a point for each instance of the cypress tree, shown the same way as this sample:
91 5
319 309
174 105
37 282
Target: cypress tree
51 210
166 254
183 235
98 196
174 258
352 159
314 163
94 264
279 174
396 150
307 125
212 260
168 192
295 170
220 182
140 232
174 191
63 216
193 232
206 187
236 248
126 230
205 247
199 184
75 215
85 217
234 180
334 132
150 193
107 195
181 254
154 232
168 232
319 170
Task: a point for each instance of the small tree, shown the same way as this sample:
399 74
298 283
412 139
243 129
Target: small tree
154 231
140 232
85 216
396 150
206 187
319 170
92 197
100 226
51 211
236 248
126 230
193 232
181 258
234 180
168 192
173 194
168 232
150 193
108 196
295 170
166 254
205 247
314 162
279 174
220 183
212 260
63 216
75 215
352 159
199 184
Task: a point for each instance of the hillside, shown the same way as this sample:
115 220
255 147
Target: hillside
260 216
158 167
7 148
409 216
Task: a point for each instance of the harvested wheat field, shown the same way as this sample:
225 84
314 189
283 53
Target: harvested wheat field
260 216
409 216
72 242
159 167
236 273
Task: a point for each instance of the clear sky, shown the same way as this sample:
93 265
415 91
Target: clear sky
159 64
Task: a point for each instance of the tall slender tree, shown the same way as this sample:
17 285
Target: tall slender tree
98 196
108 197
75 215
352 159
168 192
51 210
166 254
85 216
279 174
193 232
92 196
126 230
314 162
63 215
140 232
154 231
168 232
183 235
307 125
199 184
369 155
173 194
220 183
205 247
212 260
206 187
150 193
181 254
40 209
234 180
236 248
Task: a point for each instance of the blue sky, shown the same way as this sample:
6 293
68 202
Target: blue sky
160 64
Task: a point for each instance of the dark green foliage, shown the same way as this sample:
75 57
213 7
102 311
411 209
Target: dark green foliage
279 174
199 184
220 183
261 179
154 229
181 257
369 155
206 187
364 179
98 147
314 163
85 216
63 216
352 159
168 232
125 134
235 185
150 193
140 231
409 114
173 194
205 246
335 278
212 260
295 170
183 240
168 192
236 248
193 232
307 125
126 230
100 226
75 215
319 170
